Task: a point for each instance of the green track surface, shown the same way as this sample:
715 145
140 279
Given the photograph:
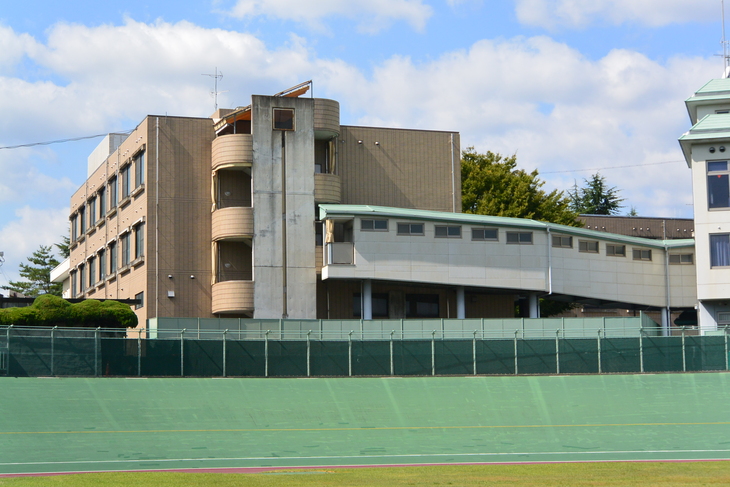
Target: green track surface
63 425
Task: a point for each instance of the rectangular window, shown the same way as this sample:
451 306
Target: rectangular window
422 306
126 186
82 279
374 225
82 220
139 241
484 234
102 265
641 254
718 189
520 238
562 242
74 287
590 246
720 250
616 250
113 193
283 119
139 169
448 231
74 228
125 249
140 300
379 305
681 259
113 257
102 202
410 229
92 211
92 272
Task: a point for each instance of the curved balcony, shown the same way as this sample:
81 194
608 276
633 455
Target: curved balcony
232 149
326 118
233 222
327 188
232 297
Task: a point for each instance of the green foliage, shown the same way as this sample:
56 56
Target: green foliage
64 247
595 198
492 185
37 275
49 310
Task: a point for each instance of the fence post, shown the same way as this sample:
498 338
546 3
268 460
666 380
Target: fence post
53 344
225 332
308 333
182 353
474 352
684 356
516 331
641 349
7 342
96 352
557 351
433 351
599 351
349 354
266 354
139 354
392 370
727 365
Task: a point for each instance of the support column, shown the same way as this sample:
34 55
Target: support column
460 303
534 306
665 321
367 299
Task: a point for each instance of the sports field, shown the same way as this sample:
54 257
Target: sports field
82 425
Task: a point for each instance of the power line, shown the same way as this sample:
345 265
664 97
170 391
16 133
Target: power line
61 141
610 167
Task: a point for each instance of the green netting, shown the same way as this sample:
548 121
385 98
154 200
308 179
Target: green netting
578 356
454 357
203 358
328 358
705 353
287 358
160 358
662 354
370 358
536 356
412 357
620 355
245 358
495 356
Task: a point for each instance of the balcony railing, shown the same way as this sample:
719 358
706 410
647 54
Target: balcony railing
340 253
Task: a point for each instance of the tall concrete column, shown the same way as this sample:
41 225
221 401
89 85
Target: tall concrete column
460 303
534 306
665 321
367 299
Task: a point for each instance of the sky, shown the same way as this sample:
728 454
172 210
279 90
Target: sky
571 87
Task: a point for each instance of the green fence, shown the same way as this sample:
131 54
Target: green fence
30 352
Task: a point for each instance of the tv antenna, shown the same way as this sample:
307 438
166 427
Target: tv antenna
215 91
724 42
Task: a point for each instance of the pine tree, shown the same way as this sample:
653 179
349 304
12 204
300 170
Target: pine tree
595 198
37 275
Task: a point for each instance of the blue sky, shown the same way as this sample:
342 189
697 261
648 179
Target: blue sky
570 87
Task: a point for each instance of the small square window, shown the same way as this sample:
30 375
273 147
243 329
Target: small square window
283 119
448 231
616 250
374 225
520 238
641 254
590 246
562 242
410 229
484 234
681 259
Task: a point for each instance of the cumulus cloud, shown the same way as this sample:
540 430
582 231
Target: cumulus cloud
551 14
371 15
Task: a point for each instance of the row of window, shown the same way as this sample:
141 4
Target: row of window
416 305
95 209
106 261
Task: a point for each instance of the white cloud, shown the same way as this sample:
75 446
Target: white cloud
580 13
371 15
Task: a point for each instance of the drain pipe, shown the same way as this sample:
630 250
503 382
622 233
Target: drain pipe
157 217
666 313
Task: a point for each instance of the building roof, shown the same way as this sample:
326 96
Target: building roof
344 211
711 128
713 91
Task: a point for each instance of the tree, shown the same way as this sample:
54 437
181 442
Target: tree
595 198
64 247
51 310
37 275
492 185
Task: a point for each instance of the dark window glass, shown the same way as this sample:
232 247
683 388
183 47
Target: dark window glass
140 298
139 169
484 234
102 202
379 305
113 192
284 118
113 257
522 238
422 306
102 265
139 241
720 250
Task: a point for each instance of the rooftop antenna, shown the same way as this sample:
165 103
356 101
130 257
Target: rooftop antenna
218 76
725 57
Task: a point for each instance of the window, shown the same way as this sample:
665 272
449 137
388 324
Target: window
126 189
448 231
74 287
484 234
102 265
616 250
139 169
112 257
379 305
720 250
422 306
140 300
283 119
92 211
74 228
82 220
590 246
562 242
125 249
374 225
82 279
92 272
681 259
641 254
102 202
520 238
113 192
321 156
139 241
718 191
410 229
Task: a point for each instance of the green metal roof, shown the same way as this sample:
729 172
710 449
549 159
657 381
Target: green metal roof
710 128
715 86
344 211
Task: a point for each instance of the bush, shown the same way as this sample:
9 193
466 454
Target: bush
48 310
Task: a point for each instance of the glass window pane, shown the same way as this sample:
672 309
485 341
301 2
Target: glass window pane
381 224
440 231
366 224
525 238
719 250
718 192
417 229
717 166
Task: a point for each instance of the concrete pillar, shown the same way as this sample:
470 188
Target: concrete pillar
460 303
706 320
665 321
367 299
534 306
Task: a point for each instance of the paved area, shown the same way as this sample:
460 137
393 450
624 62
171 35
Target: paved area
63 425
